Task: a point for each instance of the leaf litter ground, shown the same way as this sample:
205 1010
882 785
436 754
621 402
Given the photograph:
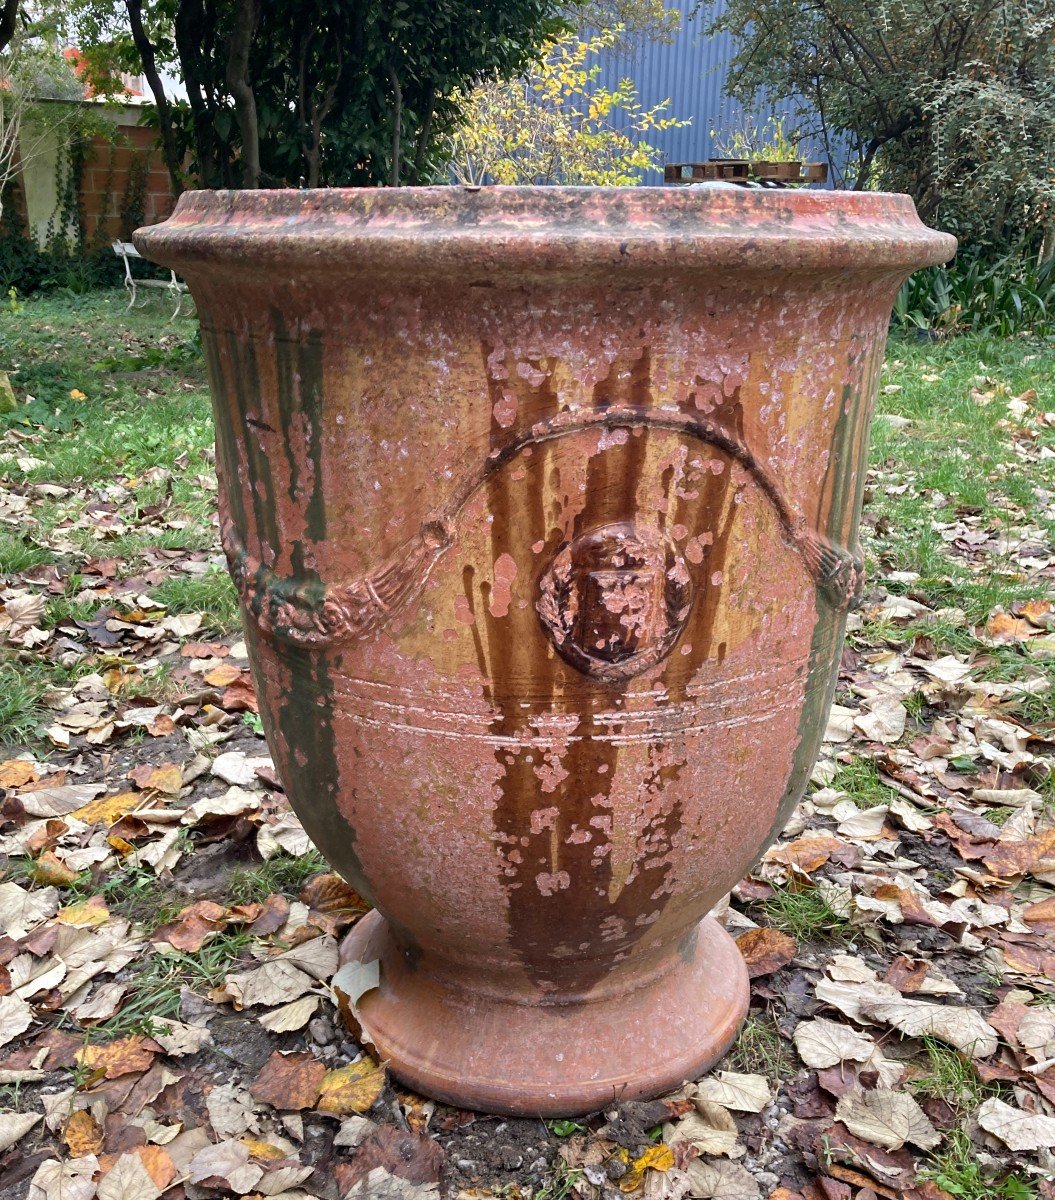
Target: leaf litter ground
166 1022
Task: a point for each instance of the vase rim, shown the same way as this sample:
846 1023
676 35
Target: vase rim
528 229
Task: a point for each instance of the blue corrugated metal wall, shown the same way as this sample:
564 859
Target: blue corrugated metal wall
690 71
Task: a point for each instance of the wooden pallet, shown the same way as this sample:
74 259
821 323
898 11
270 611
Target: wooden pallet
743 171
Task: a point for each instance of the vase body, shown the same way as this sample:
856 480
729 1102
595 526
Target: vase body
542 506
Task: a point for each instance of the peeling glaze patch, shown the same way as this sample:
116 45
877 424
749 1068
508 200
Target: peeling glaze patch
462 611
502 589
505 409
551 883
544 818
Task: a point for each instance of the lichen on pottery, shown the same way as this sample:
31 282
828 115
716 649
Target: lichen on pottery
542 505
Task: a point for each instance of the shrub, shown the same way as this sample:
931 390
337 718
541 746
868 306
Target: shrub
1008 295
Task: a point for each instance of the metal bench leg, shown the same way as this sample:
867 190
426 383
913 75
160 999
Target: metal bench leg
130 283
175 287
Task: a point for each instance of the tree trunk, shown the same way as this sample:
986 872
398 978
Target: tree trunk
150 69
423 134
247 13
397 124
8 22
865 168
190 36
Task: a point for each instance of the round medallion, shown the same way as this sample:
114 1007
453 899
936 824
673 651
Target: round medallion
614 600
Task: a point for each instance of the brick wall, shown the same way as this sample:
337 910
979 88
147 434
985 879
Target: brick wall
108 174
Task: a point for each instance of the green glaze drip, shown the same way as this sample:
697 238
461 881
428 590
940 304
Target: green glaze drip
830 628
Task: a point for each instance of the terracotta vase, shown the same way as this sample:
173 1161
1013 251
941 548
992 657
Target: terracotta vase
543 505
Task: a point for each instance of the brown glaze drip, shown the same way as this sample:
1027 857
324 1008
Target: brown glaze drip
569 846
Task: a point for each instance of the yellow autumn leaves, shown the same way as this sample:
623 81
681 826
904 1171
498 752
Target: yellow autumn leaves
558 124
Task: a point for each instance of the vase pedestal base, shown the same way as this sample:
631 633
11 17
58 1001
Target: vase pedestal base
500 1055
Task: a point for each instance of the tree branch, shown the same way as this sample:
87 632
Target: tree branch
190 47
397 122
423 133
148 59
247 13
8 22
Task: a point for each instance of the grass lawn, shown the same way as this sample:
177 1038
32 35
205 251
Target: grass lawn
121 670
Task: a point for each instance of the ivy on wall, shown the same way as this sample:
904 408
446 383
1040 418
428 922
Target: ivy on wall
77 253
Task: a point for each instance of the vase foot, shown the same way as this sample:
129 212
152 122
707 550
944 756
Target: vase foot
548 1060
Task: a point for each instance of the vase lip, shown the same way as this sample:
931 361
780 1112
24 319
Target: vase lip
531 229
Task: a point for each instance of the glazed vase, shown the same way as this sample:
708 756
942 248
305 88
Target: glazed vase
542 505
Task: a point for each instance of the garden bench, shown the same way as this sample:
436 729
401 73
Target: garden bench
174 286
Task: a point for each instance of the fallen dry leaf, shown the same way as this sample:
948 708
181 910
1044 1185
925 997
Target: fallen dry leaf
166 778
886 1118
50 869
400 1152
382 1185
655 1158
178 1039
744 1093
719 1179
1021 857
709 1129
21 911
125 1056
809 853
58 801
83 1134
159 1165
883 721
225 1165
1018 1130
294 1015
824 1043
14 1126
351 1089
222 675
289 1080
89 913
128 1179
15 1017
193 927
873 1000
110 809
765 950
16 772
72 1180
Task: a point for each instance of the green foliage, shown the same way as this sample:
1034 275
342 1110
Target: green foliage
156 998
212 595
556 124
562 1183
283 873
70 259
635 18
765 141
331 93
133 202
32 73
859 779
134 892
23 265
1012 294
759 1048
21 702
806 914
564 1128
949 1076
957 1170
952 101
